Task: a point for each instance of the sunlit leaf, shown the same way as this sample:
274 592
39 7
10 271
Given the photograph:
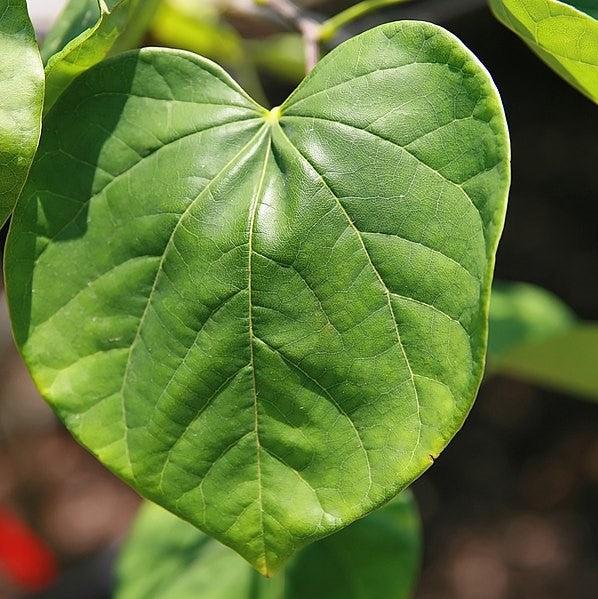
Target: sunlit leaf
377 557
86 33
269 322
566 38
21 100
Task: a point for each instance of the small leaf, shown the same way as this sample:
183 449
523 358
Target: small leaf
21 99
168 558
520 313
266 321
76 17
535 337
86 34
566 38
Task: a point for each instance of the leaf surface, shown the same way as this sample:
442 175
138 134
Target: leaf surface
86 33
269 322
21 99
564 35
377 557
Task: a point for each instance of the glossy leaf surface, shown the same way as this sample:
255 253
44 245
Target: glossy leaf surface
86 33
566 38
268 322
377 557
21 100
535 337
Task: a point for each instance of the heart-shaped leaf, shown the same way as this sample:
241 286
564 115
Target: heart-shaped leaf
21 100
87 32
377 557
269 322
564 37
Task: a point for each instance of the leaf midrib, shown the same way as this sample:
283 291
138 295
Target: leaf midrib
248 146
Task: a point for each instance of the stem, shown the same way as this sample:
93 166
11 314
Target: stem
308 28
331 27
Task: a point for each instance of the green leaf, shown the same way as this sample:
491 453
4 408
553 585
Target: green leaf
565 361
75 18
564 37
86 33
269 322
520 313
535 337
377 557
21 99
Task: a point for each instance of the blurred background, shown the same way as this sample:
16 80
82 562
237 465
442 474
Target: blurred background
510 509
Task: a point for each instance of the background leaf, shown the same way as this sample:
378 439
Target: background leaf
85 35
588 6
76 17
535 337
377 557
565 38
268 322
21 100
520 312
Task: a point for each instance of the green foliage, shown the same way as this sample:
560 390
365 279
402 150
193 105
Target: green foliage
76 17
520 313
86 33
377 557
566 361
201 28
269 322
21 100
535 337
565 38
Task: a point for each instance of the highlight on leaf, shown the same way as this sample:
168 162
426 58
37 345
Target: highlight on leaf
21 100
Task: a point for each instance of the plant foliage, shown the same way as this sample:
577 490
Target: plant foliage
269 322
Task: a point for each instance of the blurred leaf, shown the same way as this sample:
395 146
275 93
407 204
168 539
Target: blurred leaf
78 46
21 100
535 337
197 26
281 54
378 557
567 361
201 28
519 313
564 37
